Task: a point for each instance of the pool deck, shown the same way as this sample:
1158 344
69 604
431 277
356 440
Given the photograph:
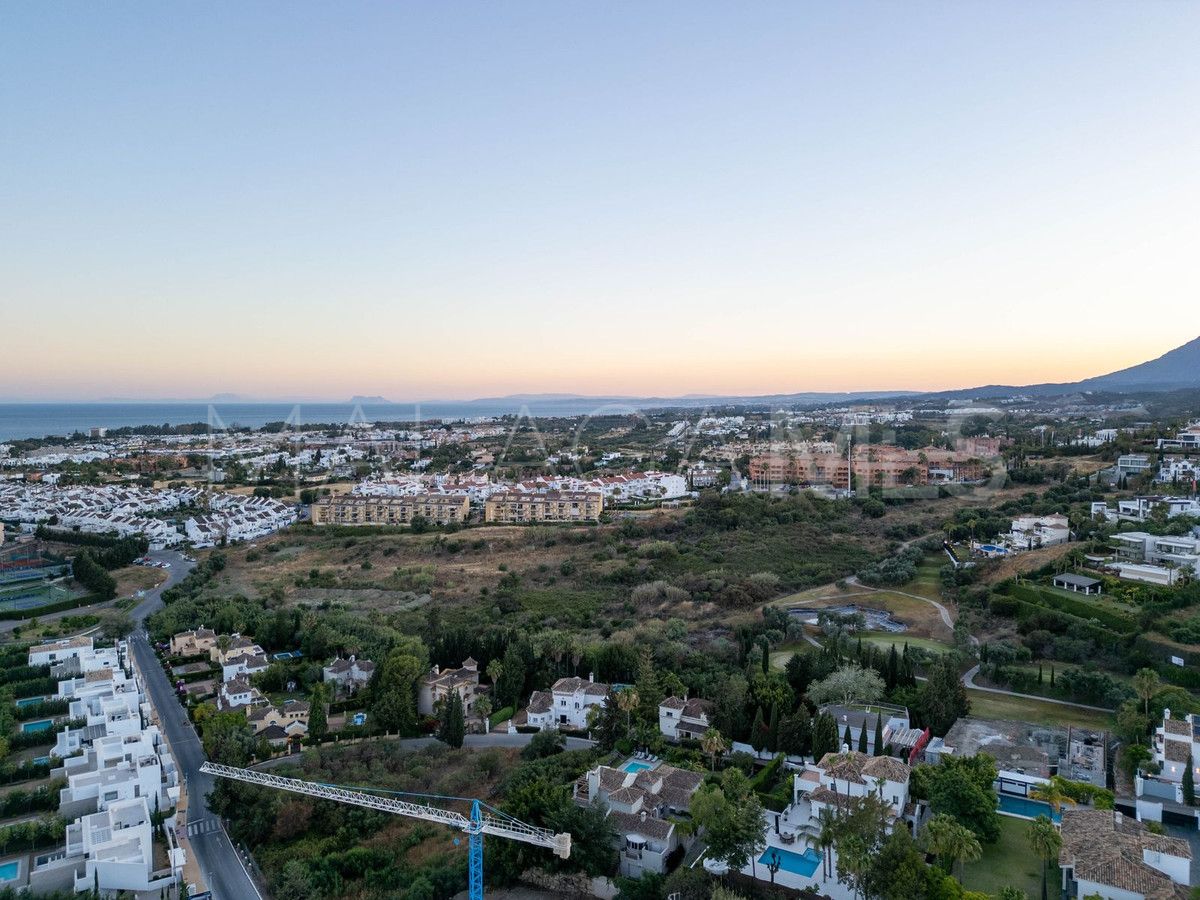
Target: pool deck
830 887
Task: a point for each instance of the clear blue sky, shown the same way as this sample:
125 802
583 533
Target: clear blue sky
453 200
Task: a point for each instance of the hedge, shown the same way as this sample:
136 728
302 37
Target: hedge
1080 608
33 687
1158 646
23 673
86 600
24 772
500 715
42 710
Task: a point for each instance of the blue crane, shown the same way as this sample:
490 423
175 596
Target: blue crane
483 819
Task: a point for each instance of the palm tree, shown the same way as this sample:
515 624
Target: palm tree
493 670
627 702
713 744
1052 794
1146 685
826 838
951 842
1045 841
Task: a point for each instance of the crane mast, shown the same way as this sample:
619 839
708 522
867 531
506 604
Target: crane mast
482 820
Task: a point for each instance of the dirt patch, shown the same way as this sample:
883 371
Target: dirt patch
995 571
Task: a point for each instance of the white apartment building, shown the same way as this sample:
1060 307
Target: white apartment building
1179 470
56 651
566 704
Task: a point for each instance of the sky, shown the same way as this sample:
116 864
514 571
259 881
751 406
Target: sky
446 201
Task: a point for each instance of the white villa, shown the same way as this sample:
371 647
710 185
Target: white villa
348 674
566 704
1106 854
1031 532
684 719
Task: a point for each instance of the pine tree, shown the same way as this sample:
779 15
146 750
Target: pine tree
758 731
454 725
773 729
879 735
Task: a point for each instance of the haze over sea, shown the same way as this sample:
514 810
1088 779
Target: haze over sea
36 420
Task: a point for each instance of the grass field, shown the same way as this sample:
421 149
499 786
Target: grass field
886 639
923 619
998 706
1009 861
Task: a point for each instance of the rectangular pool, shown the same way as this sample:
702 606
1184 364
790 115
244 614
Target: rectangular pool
637 766
1024 808
39 725
797 863
30 701
10 871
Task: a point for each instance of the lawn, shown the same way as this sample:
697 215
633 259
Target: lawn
886 639
1009 861
998 706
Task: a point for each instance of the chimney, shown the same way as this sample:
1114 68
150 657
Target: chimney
1166 713
351 657
591 677
436 670
642 816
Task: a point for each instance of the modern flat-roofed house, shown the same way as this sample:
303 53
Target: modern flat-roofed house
349 674
640 806
1155 558
57 651
1106 854
1133 464
1031 532
440 683
684 719
569 702
1080 584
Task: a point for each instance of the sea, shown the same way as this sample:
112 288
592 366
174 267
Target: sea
39 420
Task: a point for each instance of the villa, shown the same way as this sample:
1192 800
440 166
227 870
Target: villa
1106 854
641 802
898 734
348 674
684 719
435 687
566 704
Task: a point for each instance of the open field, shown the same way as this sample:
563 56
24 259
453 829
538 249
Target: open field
886 640
1009 861
923 619
132 579
997 706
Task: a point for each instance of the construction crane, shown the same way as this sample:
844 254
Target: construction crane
483 818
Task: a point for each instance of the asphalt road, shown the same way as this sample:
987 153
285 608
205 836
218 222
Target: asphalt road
223 871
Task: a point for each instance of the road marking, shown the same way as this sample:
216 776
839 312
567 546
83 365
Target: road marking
203 826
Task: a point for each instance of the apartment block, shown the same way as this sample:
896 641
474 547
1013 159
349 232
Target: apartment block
358 509
550 506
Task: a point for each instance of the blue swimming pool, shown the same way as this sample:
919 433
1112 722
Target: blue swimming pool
992 548
797 863
41 760
10 871
636 766
30 701
39 725
1026 808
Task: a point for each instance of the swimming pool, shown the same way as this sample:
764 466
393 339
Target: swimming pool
39 725
1024 808
635 766
797 863
30 701
41 760
10 871
992 548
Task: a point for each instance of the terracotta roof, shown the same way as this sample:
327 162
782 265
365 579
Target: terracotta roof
844 766
673 703
626 796
1106 847
887 768
648 827
539 702
697 709
1177 726
575 685
1177 751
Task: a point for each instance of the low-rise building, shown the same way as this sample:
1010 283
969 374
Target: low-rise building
682 719
435 687
899 737
1032 532
56 651
366 509
640 807
517 507
1155 558
194 643
822 786
567 703
1106 854
291 716
348 675
238 693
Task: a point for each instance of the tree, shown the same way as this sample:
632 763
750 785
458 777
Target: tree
898 870
961 787
1189 784
795 732
758 731
773 729
951 842
1045 841
713 745
394 706
849 683
510 686
543 744
1146 684
943 699
453 725
824 736
627 702
115 624
1052 794
483 709
318 725
862 738
732 817
878 735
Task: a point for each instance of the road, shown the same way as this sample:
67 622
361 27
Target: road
968 680
216 856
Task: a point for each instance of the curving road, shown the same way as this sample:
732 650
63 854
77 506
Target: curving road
968 680
215 854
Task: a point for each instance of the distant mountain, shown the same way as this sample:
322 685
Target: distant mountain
1175 370
356 400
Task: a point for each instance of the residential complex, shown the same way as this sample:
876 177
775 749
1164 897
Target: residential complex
879 465
551 506
360 509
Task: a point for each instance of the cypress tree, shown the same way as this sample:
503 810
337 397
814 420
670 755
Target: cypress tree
1189 784
773 729
758 731
847 740
892 675
454 725
862 738
879 735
